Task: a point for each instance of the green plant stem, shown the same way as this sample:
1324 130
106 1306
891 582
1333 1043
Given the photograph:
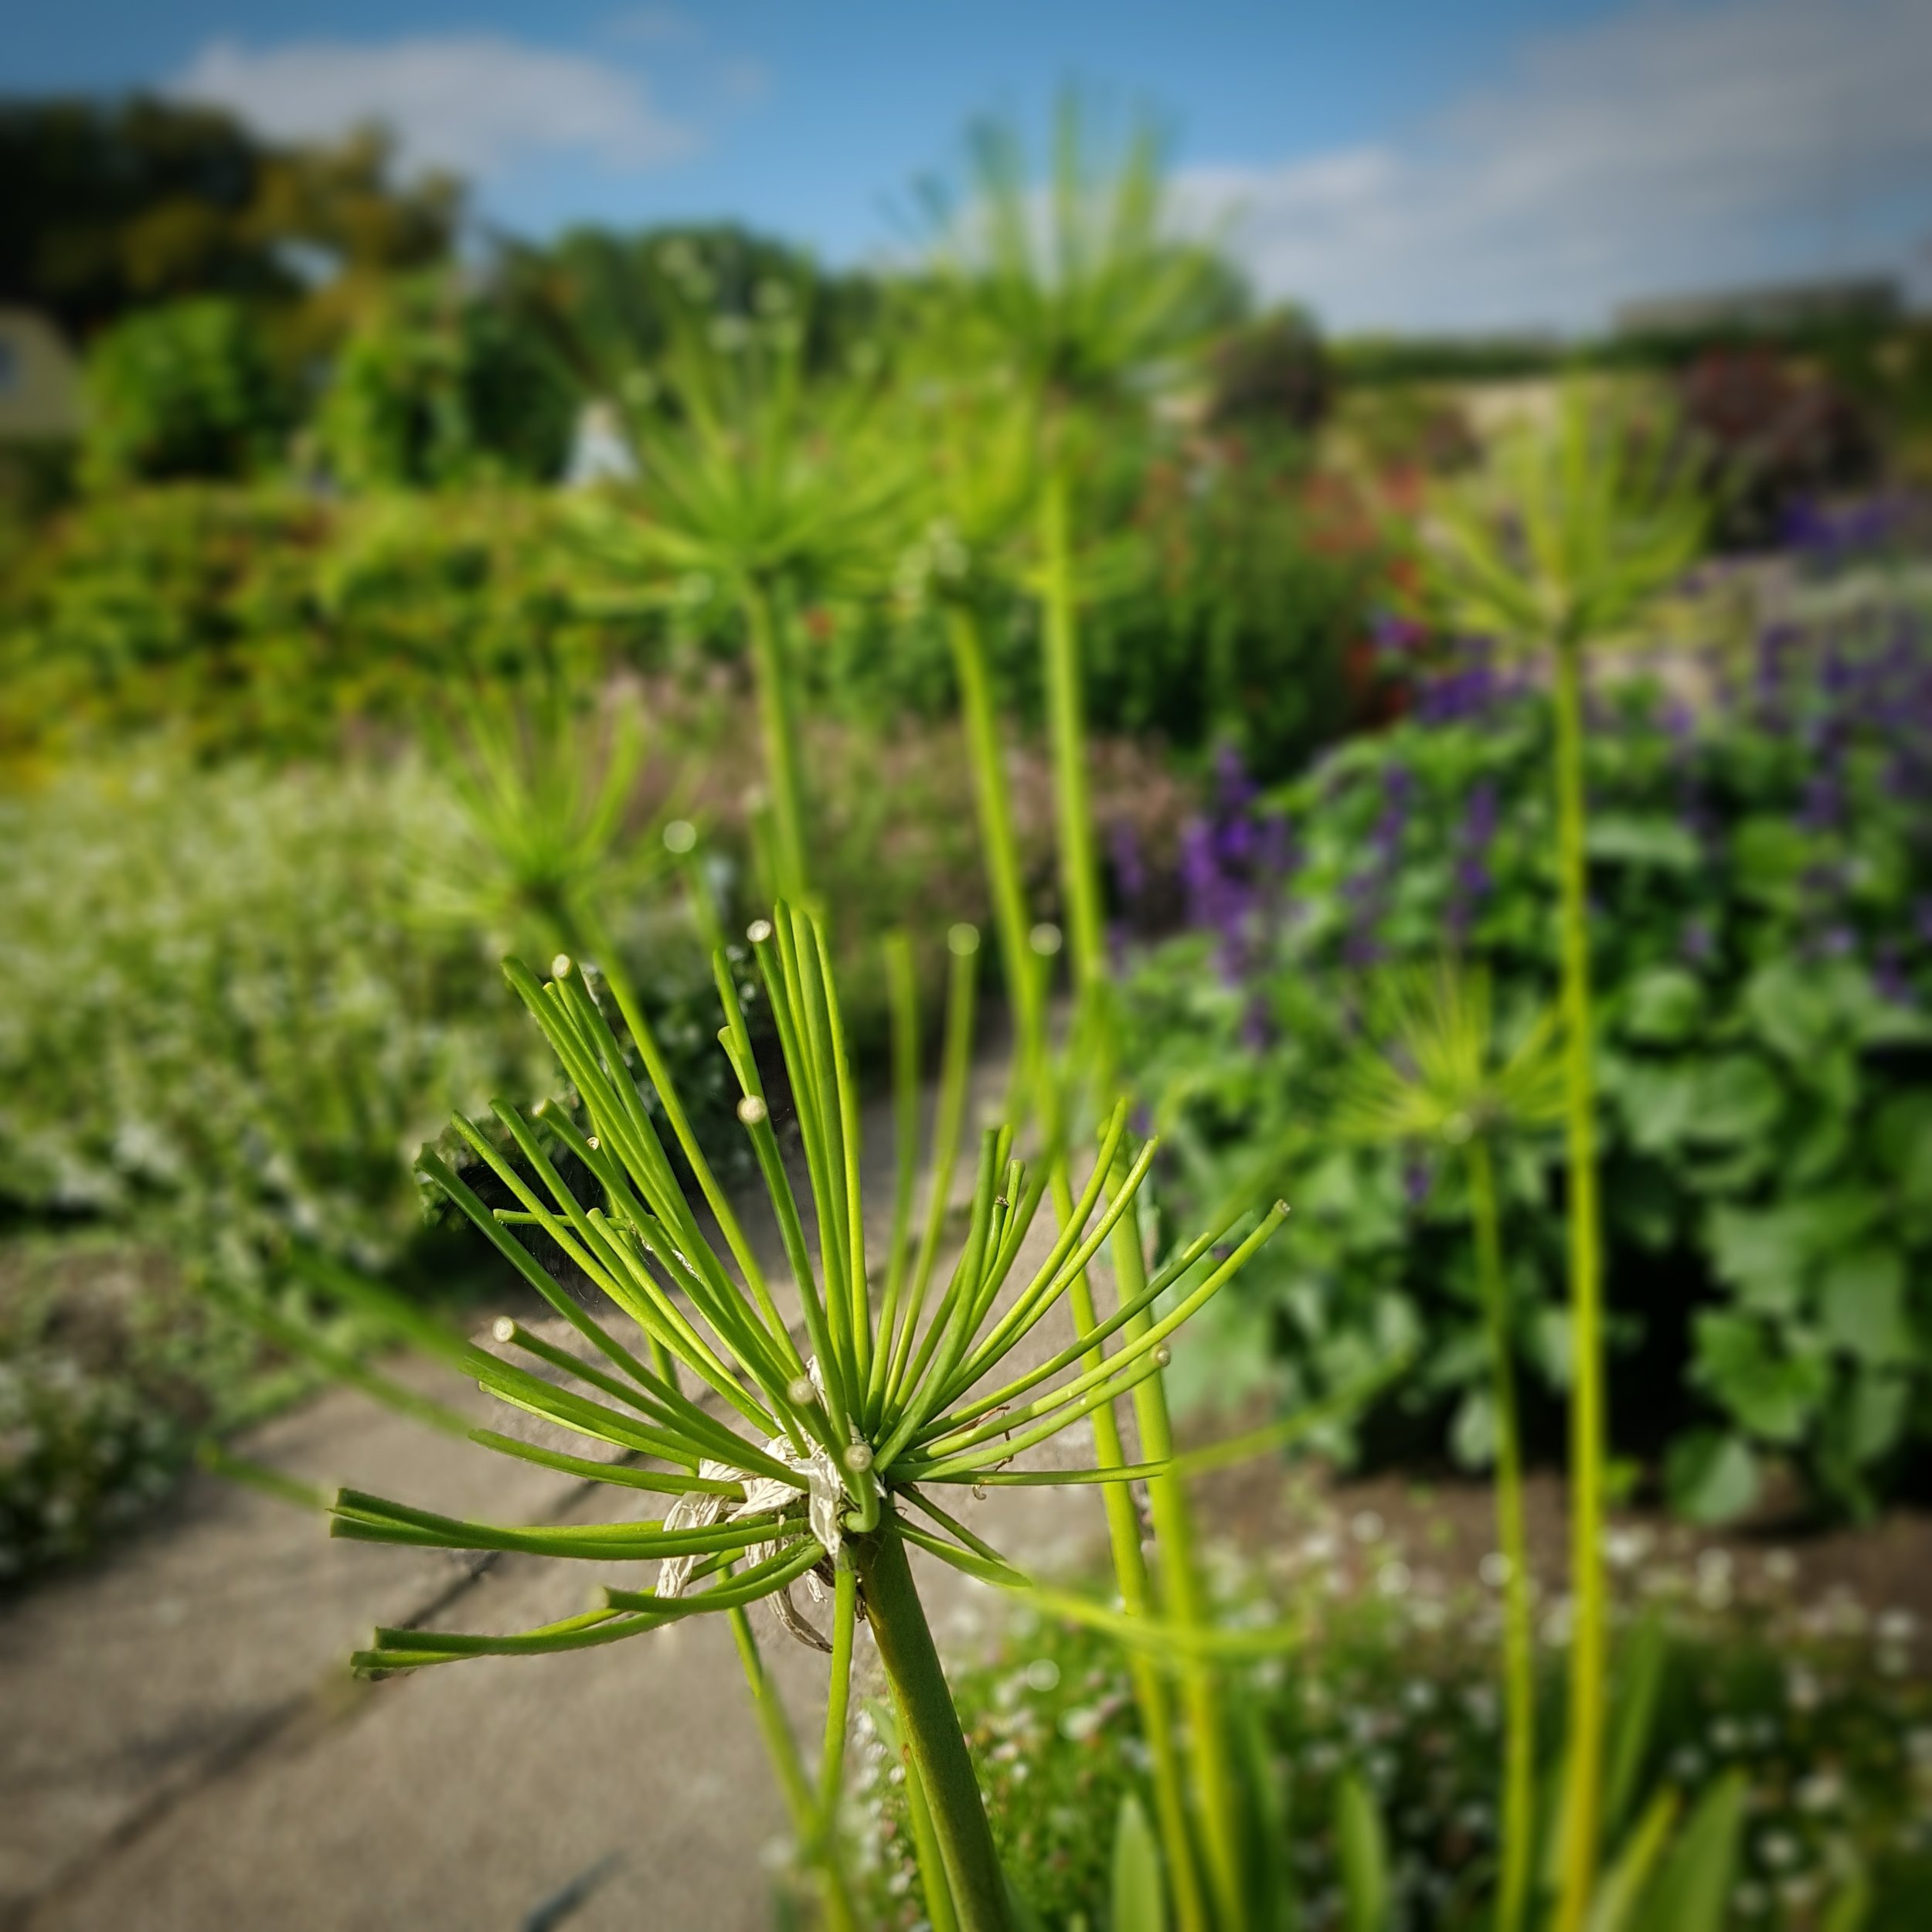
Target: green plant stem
1582 1801
1519 1684
1080 874
932 1729
813 1824
1003 878
932 1862
777 712
1217 1790
1151 1690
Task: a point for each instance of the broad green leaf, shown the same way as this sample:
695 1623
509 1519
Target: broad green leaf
1138 1903
1711 1476
1738 1097
1791 1009
1861 1304
1665 1005
1650 839
1660 1104
1774 1396
1902 1138
1875 1409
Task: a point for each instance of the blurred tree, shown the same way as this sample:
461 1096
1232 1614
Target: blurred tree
613 303
109 206
438 385
1270 377
185 389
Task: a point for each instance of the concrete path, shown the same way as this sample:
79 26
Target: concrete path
184 1749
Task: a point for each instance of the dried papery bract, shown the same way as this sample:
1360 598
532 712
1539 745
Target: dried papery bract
1571 533
1436 1076
797 1440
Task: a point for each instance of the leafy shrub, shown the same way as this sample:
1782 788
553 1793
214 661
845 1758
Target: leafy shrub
229 1027
263 621
1763 879
186 389
437 387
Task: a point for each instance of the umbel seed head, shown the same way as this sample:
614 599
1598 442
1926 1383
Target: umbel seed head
560 967
503 1329
800 1389
1045 939
751 1110
758 931
859 1457
963 939
680 835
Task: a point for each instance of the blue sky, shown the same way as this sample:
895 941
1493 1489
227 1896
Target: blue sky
1404 164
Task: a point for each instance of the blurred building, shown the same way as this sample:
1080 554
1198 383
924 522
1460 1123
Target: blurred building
39 380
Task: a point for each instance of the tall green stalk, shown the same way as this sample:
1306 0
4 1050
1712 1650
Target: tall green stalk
1001 848
1184 1600
931 1729
1151 1694
1519 1684
778 723
1066 717
1583 1786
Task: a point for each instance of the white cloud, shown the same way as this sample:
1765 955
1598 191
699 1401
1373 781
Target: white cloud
479 103
1673 146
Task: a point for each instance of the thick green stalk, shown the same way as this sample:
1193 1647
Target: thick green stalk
1003 878
1519 1683
1080 872
1150 1689
1216 1788
1584 1786
932 1729
777 714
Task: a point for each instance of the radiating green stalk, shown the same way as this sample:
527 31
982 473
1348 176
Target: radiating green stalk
1079 873
778 719
1151 1691
1583 1785
1519 1682
1217 1790
932 1730
844 1618
926 1849
1001 849
811 1822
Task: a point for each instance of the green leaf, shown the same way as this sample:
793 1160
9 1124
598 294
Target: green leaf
1773 1395
1664 1006
1693 1887
1792 1010
1861 1304
1362 1848
1660 1104
1650 839
1876 1410
1139 1904
1752 1251
1738 1098
1902 1138
1621 1887
1768 859
1711 1476
1640 1676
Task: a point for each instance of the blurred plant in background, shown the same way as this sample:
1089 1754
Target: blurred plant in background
1760 876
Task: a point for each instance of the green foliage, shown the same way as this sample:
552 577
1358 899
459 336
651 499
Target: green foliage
438 386
1762 1057
265 622
112 207
228 1028
185 390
